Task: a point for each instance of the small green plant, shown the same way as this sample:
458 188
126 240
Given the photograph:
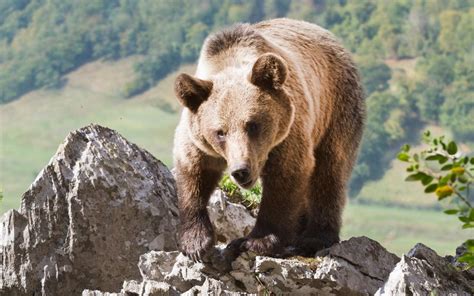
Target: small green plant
444 171
249 198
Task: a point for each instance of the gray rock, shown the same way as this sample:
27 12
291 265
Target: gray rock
210 287
345 278
144 288
371 258
353 267
230 220
152 288
423 272
249 274
147 288
155 265
97 206
88 292
132 287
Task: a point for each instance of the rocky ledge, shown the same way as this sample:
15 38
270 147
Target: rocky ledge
102 216
358 266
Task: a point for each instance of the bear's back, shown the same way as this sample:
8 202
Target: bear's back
292 36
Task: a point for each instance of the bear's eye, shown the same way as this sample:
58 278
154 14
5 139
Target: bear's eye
220 135
252 128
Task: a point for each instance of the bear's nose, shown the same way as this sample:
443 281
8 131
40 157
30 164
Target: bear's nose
241 173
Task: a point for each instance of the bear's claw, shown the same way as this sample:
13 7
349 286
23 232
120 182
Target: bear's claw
268 245
196 241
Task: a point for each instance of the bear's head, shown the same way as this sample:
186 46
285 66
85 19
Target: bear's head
239 114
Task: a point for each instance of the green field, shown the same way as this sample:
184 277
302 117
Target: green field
399 229
33 126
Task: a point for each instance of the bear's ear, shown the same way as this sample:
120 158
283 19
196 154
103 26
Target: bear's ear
191 91
268 72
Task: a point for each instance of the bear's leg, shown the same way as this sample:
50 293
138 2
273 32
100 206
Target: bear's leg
326 201
285 182
196 181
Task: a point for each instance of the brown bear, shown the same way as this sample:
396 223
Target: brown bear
280 100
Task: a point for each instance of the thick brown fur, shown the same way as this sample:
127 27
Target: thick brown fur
282 99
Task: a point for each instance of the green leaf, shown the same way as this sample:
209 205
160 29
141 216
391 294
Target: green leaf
471 161
447 167
426 180
471 214
466 226
416 157
442 197
442 144
452 148
453 178
403 156
415 177
451 211
431 188
444 180
405 148
440 158
443 159
432 157
467 258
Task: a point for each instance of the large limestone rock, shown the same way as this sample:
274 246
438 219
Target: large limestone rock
97 206
423 272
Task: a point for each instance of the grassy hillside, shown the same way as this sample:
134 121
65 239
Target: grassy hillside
399 229
34 125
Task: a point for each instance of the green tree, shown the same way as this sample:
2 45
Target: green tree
458 110
437 74
449 20
382 110
375 74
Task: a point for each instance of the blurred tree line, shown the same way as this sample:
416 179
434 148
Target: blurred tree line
41 40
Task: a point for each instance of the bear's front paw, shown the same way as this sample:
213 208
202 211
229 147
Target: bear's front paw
268 245
196 241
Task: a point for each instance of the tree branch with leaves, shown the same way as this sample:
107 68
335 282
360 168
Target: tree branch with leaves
445 171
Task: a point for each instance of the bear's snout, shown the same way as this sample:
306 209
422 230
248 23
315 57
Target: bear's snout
241 174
